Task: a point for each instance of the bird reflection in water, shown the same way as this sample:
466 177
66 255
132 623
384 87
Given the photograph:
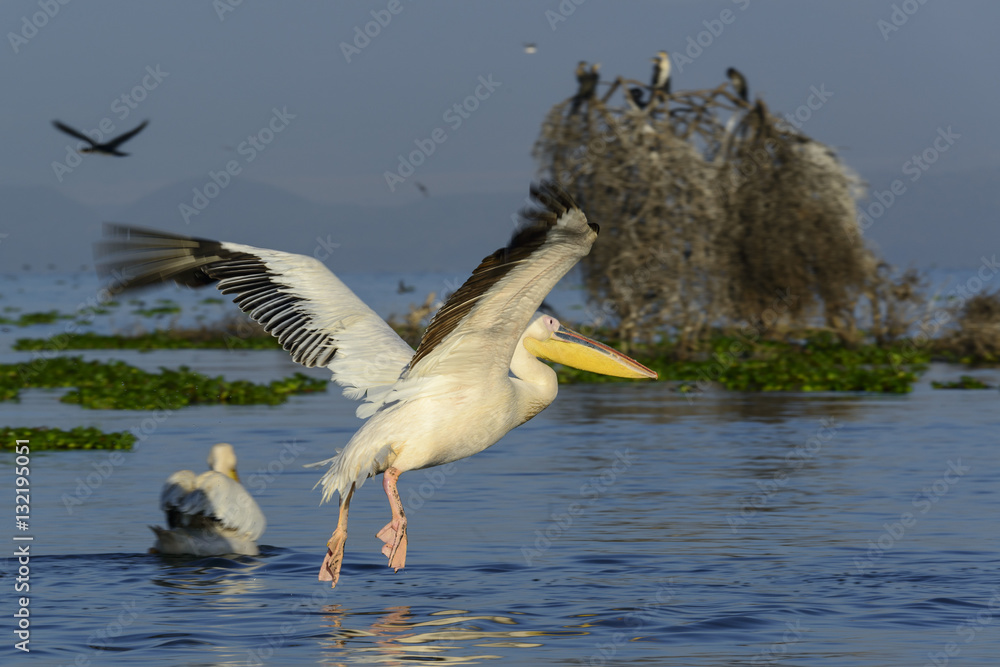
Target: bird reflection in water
223 579
400 638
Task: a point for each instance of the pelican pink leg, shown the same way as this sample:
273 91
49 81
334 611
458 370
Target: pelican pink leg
394 532
330 570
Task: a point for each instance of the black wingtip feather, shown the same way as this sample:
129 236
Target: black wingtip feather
550 202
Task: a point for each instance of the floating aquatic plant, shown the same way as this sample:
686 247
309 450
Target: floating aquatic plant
816 364
963 382
173 339
116 385
81 437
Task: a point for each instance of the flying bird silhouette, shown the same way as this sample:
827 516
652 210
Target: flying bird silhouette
108 147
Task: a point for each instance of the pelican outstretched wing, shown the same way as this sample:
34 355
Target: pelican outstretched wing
314 316
476 330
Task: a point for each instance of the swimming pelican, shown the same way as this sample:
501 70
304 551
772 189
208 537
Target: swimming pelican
108 147
474 376
209 514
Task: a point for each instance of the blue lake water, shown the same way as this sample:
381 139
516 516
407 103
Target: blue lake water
625 524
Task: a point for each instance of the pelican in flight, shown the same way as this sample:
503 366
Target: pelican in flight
210 514
108 147
474 376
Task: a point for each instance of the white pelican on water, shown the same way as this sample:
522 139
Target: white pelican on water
474 376
210 514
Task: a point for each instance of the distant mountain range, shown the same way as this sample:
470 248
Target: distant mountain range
943 219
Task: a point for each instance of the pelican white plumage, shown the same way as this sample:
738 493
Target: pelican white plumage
474 376
210 514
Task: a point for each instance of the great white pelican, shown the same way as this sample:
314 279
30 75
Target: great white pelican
210 514
474 376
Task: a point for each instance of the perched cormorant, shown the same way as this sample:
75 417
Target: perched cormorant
108 147
588 84
760 115
635 94
661 73
739 83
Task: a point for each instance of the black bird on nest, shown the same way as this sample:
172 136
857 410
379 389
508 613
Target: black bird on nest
588 84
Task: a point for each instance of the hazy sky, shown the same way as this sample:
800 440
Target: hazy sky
222 75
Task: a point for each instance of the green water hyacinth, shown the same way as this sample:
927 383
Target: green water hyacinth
153 340
116 385
81 437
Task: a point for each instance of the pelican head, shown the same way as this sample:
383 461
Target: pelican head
222 459
547 339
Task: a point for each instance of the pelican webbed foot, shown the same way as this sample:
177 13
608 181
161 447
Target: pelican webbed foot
330 570
394 536
394 532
